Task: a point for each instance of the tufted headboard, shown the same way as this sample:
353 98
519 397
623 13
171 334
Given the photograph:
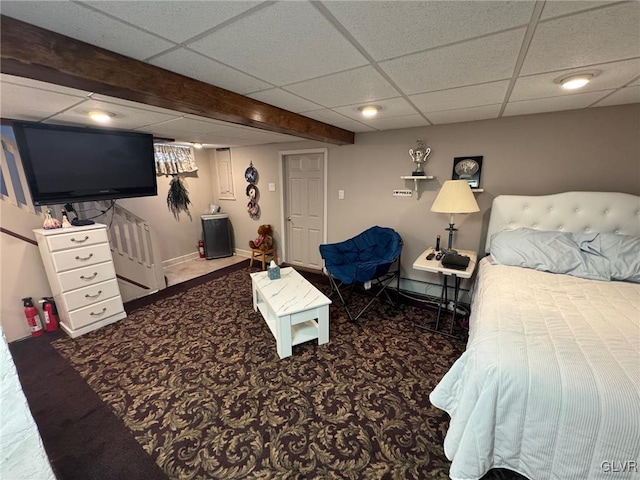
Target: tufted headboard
576 212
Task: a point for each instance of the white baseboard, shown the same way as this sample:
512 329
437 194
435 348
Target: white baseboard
177 260
242 253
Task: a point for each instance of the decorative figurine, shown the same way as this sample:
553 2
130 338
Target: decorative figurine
419 156
49 222
65 220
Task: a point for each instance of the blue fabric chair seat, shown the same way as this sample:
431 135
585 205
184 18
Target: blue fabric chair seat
363 258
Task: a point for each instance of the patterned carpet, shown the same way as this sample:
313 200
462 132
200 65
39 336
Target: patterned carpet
197 380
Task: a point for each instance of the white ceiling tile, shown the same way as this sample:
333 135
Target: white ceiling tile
388 29
614 75
622 96
279 98
334 118
462 97
208 120
589 38
476 61
405 121
126 117
393 107
194 65
28 103
78 22
560 7
47 87
554 104
177 21
196 126
465 114
360 85
187 136
283 43
136 105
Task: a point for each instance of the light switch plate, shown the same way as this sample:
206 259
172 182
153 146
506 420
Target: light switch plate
272 187
402 193
340 194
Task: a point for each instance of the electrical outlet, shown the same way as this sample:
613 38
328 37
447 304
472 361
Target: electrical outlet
402 193
340 194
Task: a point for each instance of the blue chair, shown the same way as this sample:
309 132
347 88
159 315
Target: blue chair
363 259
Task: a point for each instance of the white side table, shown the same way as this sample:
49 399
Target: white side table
435 266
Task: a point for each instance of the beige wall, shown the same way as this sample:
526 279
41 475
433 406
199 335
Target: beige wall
177 238
595 149
21 270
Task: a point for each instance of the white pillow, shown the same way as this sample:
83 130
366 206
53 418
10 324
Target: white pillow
555 252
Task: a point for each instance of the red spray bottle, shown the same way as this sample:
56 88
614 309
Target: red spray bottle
33 319
50 314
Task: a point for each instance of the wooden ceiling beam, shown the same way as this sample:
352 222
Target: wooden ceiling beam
33 52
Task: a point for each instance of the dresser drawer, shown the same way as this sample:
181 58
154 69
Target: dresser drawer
85 296
81 257
95 312
86 276
76 239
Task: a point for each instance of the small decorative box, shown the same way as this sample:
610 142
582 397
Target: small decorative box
273 271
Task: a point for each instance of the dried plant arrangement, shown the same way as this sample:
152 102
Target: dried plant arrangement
178 197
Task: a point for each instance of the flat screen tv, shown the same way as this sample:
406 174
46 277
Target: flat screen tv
66 164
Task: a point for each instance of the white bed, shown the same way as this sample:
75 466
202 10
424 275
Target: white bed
549 385
22 455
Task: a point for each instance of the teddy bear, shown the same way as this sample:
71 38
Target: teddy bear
264 241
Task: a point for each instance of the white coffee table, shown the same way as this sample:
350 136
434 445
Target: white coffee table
294 310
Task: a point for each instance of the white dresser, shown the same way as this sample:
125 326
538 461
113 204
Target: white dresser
83 281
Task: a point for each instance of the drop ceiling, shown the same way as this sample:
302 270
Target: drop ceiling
424 62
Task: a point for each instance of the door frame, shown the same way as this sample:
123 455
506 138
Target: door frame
283 188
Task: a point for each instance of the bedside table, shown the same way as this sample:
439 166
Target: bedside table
435 266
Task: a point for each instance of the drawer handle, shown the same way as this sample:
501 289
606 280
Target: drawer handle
84 258
95 274
99 313
81 241
94 296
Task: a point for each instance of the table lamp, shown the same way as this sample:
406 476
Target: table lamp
455 196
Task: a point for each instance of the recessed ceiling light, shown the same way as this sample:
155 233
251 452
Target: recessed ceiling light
369 110
100 116
576 80
197 145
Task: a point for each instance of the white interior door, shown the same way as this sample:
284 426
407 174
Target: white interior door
304 202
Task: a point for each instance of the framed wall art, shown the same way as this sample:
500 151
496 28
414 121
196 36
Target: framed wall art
469 169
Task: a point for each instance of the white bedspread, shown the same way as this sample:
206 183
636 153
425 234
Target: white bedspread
22 455
549 385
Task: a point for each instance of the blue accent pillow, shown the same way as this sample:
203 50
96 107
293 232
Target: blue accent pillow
555 252
622 252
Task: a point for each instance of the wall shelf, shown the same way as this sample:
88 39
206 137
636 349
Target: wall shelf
415 179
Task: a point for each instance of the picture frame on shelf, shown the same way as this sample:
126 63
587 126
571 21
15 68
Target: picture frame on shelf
469 169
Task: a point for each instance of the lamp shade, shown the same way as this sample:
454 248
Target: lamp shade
455 196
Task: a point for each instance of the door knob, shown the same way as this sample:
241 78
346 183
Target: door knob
288 219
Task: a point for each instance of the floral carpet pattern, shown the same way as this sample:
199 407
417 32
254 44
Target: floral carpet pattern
197 380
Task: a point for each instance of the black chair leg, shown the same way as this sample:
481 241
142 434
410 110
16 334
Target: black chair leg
381 282
335 288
